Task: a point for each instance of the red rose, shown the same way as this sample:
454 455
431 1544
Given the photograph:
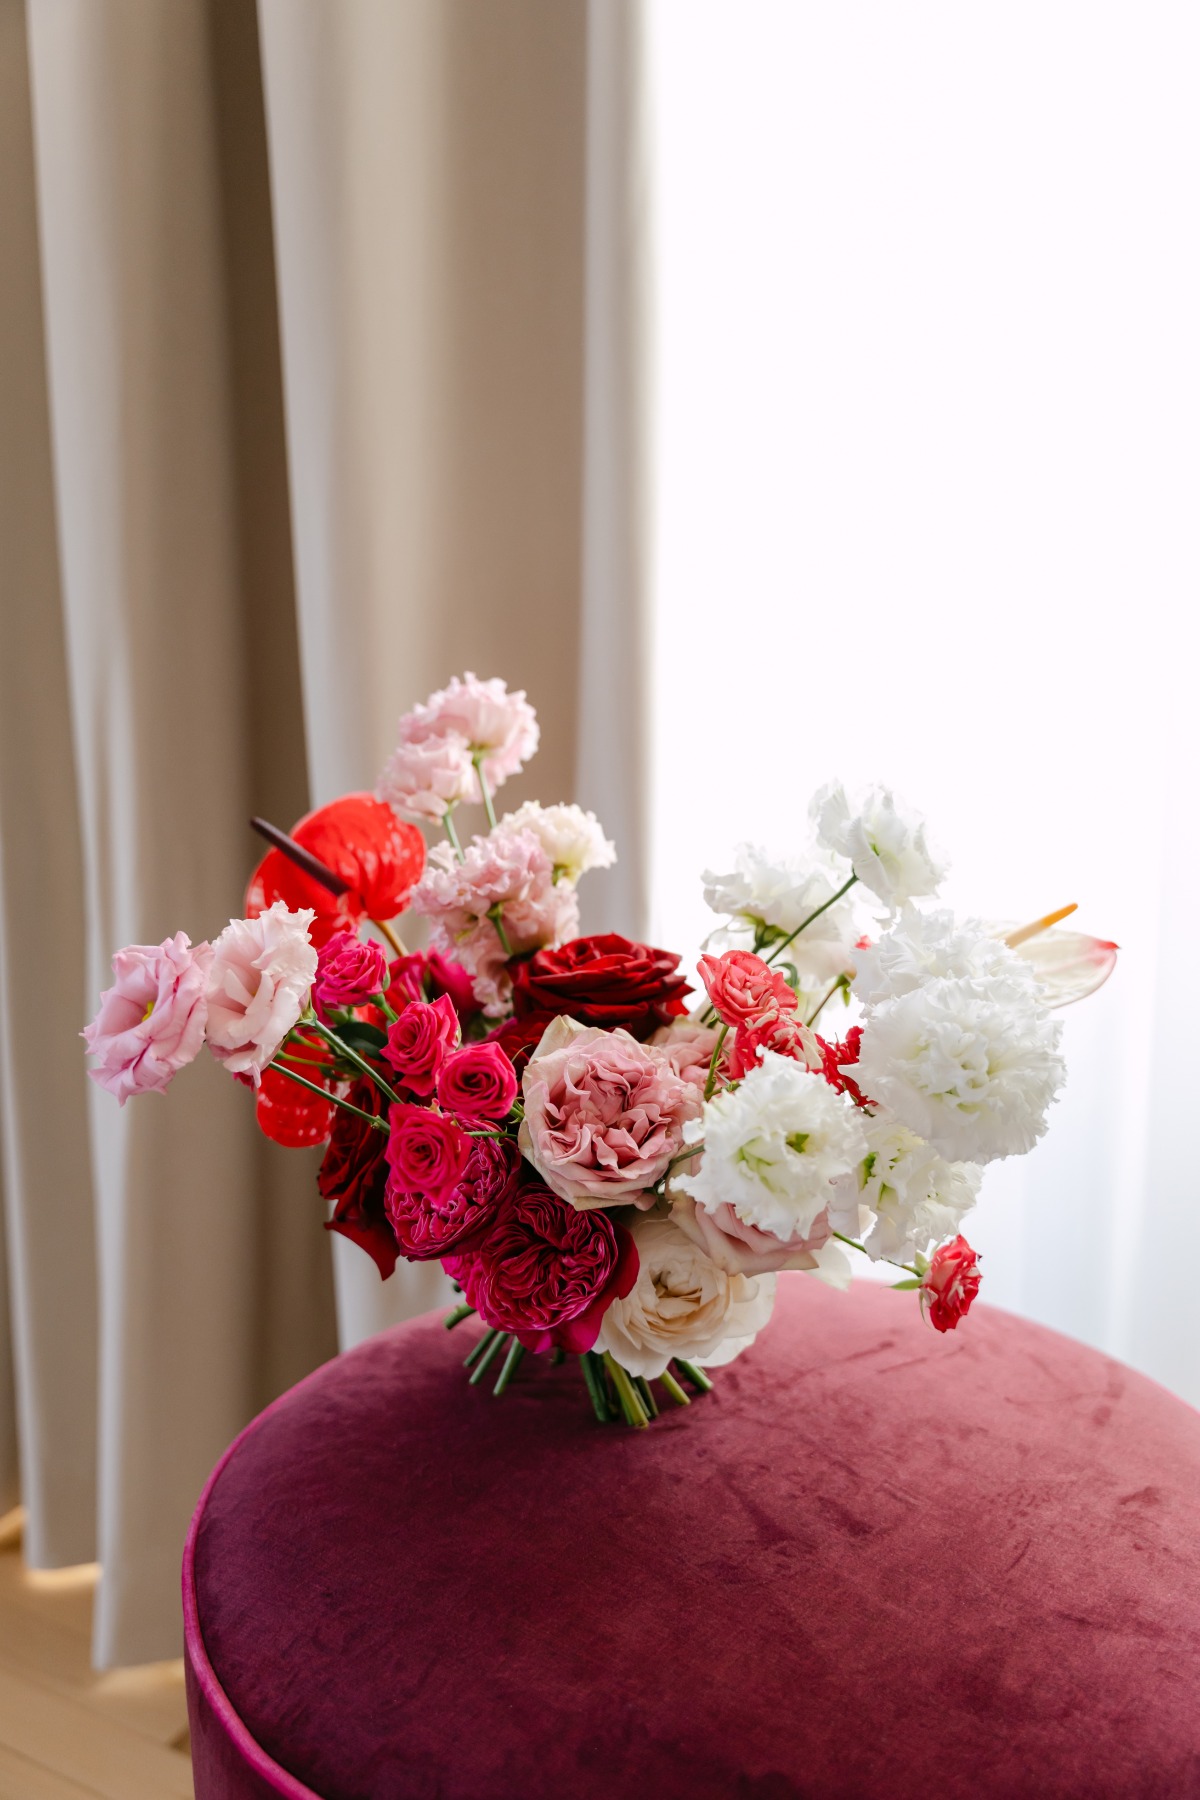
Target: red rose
547 1272
420 1041
353 1176
477 1082
426 1229
425 975
427 1152
379 856
519 1038
603 980
951 1283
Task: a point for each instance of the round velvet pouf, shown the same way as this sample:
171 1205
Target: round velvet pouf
874 1563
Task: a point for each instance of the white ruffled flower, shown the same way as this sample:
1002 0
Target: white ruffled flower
766 899
924 946
772 1146
970 1065
682 1304
884 842
574 840
259 980
914 1197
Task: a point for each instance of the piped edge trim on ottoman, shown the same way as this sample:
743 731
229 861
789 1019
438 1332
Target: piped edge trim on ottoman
204 1687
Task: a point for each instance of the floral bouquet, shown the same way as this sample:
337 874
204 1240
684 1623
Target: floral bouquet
605 1171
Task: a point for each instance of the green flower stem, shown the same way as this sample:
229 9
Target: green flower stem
452 834
351 1056
496 915
853 1244
457 1316
673 1388
631 1405
696 1376
516 1351
386 1008
833 899
477 759
594 1383
711 1083
647 1398
303 1081
478 1349
557 1356
824 1001
488 1358
684 1156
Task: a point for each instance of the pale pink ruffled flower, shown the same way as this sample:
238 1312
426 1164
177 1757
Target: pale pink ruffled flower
505 885
500 728
429 772
151 1021
604 1115
259 982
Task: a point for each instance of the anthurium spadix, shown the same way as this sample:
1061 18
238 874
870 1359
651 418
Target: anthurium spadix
1068 964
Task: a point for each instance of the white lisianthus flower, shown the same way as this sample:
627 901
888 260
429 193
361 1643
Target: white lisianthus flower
914 1196
772 1146
765 898
970 1065
259 980
682 1304
885 843
925 946
574 840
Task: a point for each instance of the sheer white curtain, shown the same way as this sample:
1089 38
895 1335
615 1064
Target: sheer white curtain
926 394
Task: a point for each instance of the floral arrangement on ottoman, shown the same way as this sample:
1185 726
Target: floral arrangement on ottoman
603 1172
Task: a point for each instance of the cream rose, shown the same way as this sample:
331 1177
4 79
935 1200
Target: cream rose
682 1304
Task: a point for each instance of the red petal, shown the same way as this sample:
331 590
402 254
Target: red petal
359 838
289 1114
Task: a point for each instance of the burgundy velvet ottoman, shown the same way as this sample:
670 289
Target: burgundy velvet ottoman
874 1563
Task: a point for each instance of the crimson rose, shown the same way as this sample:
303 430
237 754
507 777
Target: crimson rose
428 1226
353 1175
603 980
547 1272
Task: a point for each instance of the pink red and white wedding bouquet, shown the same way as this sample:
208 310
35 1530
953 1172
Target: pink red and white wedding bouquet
610 1162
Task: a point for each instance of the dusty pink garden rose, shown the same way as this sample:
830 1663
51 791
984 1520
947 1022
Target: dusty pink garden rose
259 980
477 1082
151 1021
743 1249
604 1115
421 1040
688 1047
350 971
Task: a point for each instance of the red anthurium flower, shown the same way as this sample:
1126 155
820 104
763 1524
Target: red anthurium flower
290 1114
359 838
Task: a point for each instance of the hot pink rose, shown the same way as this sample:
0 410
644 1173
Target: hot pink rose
427 1152
350 971
744 989
743 1249
951 1284
604 1115
547 1272
420 1041
477 1082
151 1021
429 1227
259 980
426 974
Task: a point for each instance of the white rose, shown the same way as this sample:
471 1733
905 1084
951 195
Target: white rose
682 1304
884 842
258 985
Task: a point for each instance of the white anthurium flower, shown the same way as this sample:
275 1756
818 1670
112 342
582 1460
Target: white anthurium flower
1068 965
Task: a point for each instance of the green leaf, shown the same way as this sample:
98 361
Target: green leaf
913 1282
362 1037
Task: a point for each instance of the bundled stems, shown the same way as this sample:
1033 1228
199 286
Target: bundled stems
477 1350
627 1394
673 1388
593 1376
696 1376
516 1351
498 1341
351 1056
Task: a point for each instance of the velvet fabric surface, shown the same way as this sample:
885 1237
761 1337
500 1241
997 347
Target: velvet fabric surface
875 1564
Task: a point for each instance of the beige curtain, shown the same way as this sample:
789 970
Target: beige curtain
310 361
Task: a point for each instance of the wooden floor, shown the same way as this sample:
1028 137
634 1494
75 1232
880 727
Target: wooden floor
67 1733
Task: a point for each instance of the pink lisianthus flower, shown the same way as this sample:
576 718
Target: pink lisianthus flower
477 1082
151 1021
743 1249
427 1152
547 1272
350 971
604 1115
429 1226
259 981
745 990
499 728
420 1041
499 902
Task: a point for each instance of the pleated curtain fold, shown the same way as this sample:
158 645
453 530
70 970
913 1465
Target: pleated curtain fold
309 344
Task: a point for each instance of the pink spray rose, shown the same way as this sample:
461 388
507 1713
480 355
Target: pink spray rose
427 1152
428 1227
151 1021
604 1115
743 1249
420 1041
350 971
259 981
477 1082
546 1271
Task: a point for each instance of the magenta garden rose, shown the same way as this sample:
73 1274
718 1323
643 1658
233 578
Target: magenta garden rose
428 1225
